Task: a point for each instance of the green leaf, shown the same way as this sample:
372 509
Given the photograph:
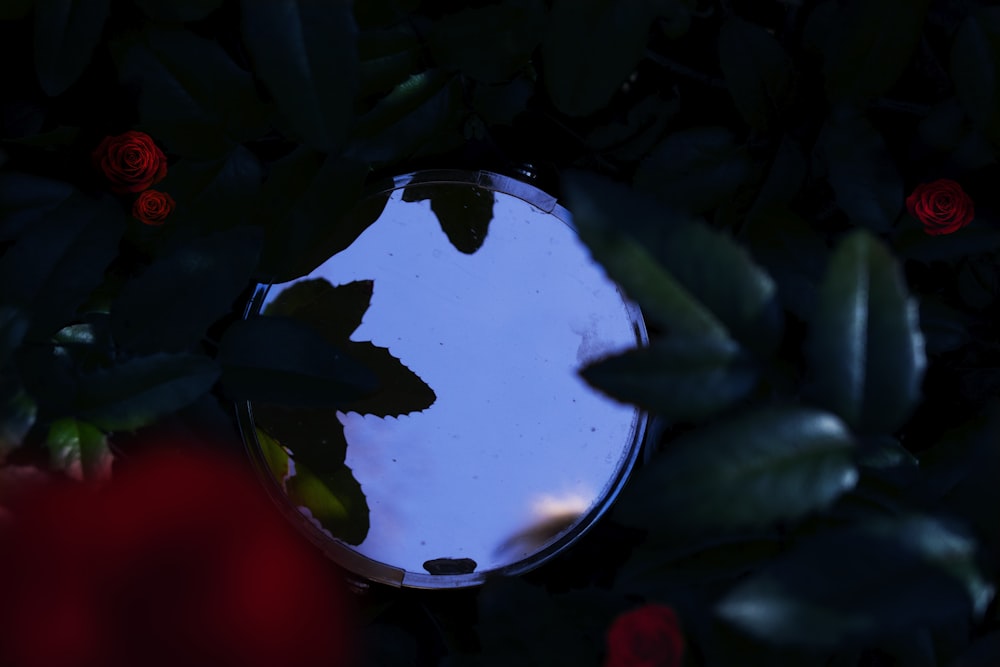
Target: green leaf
178 10
13 327
17 415
172 303
408 118
387 58
25 198
793 252
333 499
865 350
280 360
464 213
79 449
864 177
141 390
312 212
784 179
591 48
878 580
694 170
305 53
489 43
597 205
60 259
750 471
192 96
66 34
335 312
975 68
315 435
680 377
869 46
214 193
757 71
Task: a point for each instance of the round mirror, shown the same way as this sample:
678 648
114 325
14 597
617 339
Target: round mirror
479 450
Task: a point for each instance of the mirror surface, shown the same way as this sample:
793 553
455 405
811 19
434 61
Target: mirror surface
495 305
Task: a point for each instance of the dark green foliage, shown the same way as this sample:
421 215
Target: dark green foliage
821 480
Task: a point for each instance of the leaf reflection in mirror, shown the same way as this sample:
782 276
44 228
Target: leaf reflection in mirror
554 515
464 212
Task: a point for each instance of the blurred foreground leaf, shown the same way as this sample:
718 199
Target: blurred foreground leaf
141 390
752 470
79 449
865 350
682 378
862 583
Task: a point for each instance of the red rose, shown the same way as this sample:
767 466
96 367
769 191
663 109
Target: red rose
649 636
152 207
131 161
942 206
178 560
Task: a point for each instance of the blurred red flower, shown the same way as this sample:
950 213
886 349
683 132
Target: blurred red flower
179 560
132 162
152 207
942 206
648 636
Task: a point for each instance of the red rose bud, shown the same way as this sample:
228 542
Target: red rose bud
648 636
180 559
132 162
152 207
942 206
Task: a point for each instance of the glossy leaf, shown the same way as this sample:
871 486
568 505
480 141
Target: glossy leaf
784 179
178 10
408 118
17 416
681 378
865 350
864 177
141 390
757 71
464 213
880 578
79 449
13 327
279 360
25 198
869 46
752 470
312 212
305 53
489 43
597 206
172 303
975 67
215 193
591 48
66 34
60 259
793 252
192 96
387 58
694 170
